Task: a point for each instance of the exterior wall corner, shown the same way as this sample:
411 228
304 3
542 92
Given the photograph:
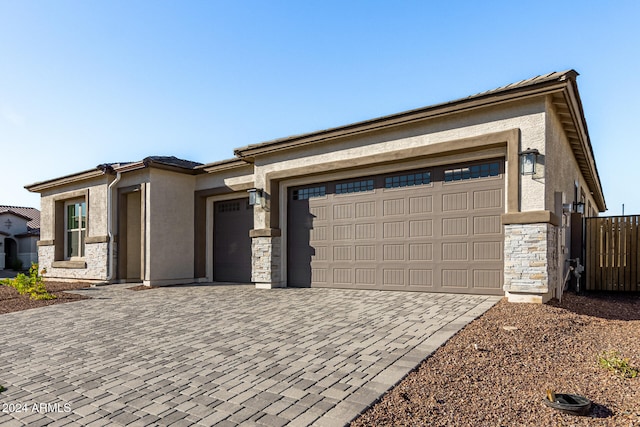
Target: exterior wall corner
266 262
530 267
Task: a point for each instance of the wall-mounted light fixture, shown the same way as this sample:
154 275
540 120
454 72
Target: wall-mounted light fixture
255 196
528 161
578 207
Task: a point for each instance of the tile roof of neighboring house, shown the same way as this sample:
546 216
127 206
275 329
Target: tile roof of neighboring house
32 214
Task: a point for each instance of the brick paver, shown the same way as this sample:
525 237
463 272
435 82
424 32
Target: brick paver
218 355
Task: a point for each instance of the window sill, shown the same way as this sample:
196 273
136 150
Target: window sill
69 264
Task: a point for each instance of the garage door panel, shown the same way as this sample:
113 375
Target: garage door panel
487 251
455 251
420 278
393 229
455 226
487 199
393 207
455 202
365 252
393 252
487 225
487 279
420 205
420 252
455 278
342 253
342 211
365 231
437 236
421 228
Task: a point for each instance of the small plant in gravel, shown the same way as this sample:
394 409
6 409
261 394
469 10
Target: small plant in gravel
32 285
2 389
612 361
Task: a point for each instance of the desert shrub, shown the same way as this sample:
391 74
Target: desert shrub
617 364
32 285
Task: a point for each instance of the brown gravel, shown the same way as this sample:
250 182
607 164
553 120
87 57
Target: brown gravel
11 300
487 375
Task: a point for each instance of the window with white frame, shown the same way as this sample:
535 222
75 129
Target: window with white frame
75 228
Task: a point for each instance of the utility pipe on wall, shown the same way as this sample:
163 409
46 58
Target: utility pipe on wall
110 224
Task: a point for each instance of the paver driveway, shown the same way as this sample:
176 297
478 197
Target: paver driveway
218 355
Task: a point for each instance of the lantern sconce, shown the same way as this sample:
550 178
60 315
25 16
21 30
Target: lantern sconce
255 196
528 161
578 207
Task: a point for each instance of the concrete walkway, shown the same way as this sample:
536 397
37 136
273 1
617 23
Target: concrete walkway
218 355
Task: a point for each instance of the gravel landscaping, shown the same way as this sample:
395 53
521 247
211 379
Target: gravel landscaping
496 371
11 300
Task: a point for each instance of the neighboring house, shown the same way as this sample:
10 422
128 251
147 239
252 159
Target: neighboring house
19 234
470 196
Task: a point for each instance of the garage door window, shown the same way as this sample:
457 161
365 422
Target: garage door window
408 180
309 192
472 172
354 186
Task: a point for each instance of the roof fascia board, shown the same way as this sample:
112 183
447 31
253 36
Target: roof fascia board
129 167
223 165
404 118
67 179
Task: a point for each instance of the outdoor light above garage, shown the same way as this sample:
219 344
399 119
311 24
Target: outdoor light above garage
255 196
528 160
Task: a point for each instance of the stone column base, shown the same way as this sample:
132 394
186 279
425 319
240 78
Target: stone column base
268 285
265 258
527 297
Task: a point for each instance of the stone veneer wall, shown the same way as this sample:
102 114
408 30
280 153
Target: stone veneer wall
96 258
530 266
265 261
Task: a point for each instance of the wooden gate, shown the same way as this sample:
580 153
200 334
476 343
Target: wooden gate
613 253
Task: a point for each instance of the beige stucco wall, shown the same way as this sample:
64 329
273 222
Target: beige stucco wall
96 254
97 203
169 227
236 179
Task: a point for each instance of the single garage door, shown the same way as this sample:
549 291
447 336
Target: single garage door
435 230
232 220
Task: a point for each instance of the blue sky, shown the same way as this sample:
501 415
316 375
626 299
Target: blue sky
89 82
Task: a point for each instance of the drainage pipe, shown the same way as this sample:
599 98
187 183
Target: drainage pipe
110 224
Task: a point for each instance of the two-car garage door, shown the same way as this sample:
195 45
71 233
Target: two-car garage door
435 229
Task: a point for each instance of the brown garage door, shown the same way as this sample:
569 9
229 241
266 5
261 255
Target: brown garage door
434 230
231 242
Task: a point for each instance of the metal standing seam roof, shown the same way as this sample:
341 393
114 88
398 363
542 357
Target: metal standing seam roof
556 76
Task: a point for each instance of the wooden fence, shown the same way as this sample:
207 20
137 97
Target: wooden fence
612 253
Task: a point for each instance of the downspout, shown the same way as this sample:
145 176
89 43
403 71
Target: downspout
110 224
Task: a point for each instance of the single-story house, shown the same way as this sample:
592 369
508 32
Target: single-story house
469 196
19 235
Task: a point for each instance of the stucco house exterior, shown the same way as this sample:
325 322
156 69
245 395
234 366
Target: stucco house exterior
470 196
19 235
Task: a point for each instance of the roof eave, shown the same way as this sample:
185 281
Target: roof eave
584 149
223 165
39 187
